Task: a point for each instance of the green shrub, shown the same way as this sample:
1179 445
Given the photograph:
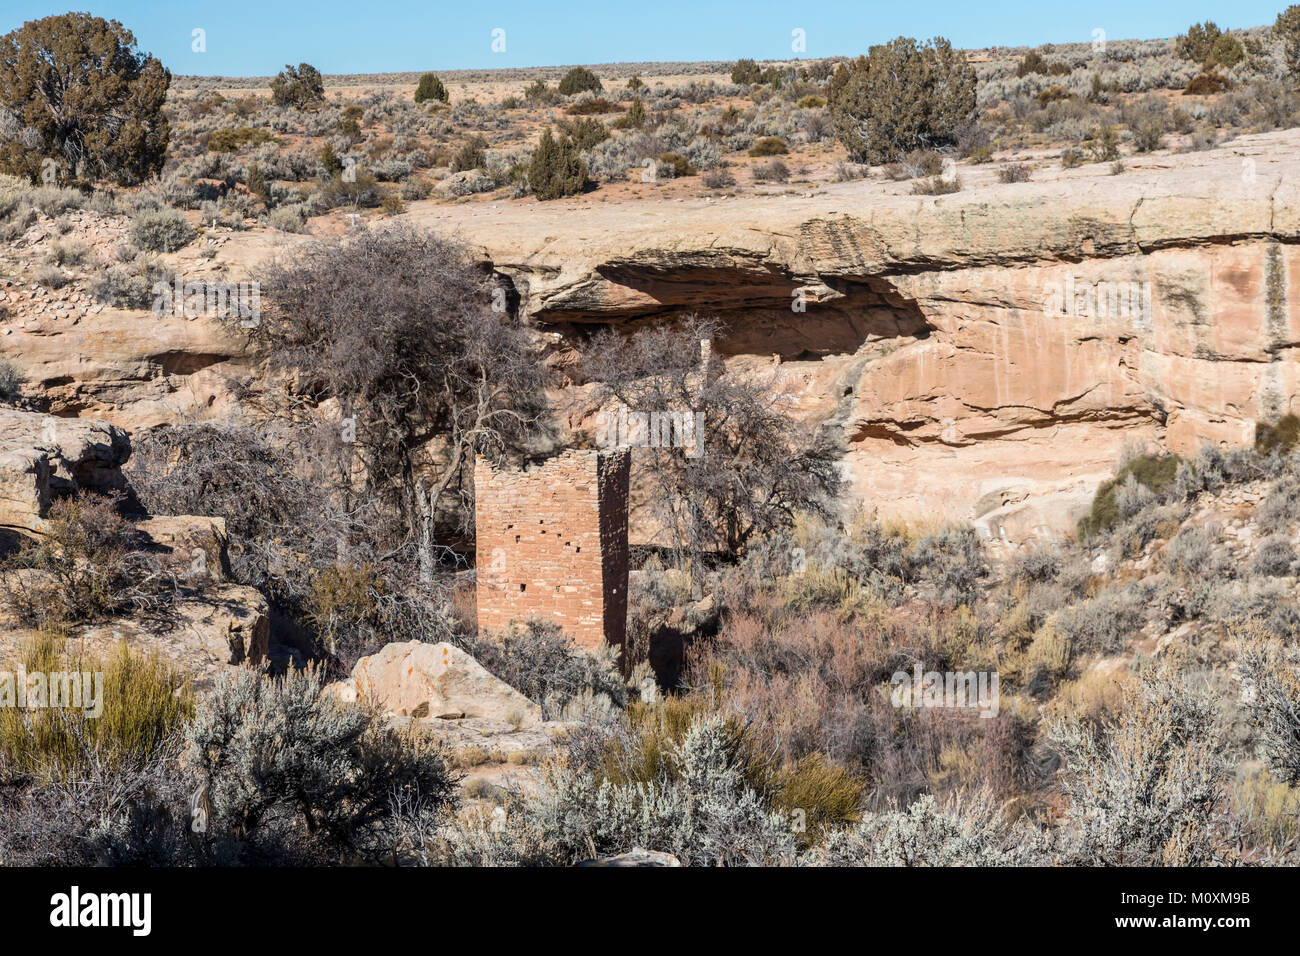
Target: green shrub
471 155
343 609
585 132
350 125
257 184
1206 44
1227 51
1197 43
282 753
233 140
539 94
811 102
431 87
161 230
769 146
634 118
1281 436
825 793
1104 144
1031 62
580 80
144 703
556 169
745 72
1154 472
300 86
329 160
902 97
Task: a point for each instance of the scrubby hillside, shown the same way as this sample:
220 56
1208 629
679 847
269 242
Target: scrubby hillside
895 602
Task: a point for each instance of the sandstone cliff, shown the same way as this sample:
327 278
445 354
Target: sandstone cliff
985 354
982 355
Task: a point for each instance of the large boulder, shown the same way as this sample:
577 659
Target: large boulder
41 455
415 679
225 626
200 540
467 183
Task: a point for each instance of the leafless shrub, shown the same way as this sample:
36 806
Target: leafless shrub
90 565
774 171
757 466
1014 172
432 362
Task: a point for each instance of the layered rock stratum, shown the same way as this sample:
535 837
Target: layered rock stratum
953 344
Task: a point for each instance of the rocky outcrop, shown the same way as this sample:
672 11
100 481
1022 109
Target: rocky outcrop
983 355
41 456
202 541
225 626
420 680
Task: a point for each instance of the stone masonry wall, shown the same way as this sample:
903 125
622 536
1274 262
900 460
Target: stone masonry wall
552 543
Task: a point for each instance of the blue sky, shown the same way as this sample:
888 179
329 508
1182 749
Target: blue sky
257 37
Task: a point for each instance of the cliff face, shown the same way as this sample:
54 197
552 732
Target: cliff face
983 355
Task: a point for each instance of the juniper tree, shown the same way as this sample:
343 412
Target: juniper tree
900 97
430 88
299 86
399 328
556 169
74 91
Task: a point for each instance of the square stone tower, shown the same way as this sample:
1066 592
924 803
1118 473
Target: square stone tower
551 543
